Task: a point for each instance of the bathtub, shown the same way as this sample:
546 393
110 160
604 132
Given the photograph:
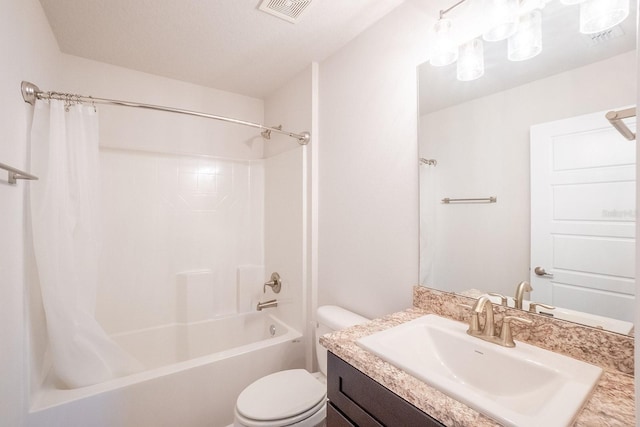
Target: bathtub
194 373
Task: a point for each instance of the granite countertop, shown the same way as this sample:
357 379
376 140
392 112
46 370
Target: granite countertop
611 404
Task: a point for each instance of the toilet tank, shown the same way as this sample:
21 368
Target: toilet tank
332 318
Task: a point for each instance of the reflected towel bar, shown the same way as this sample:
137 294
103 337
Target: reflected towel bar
615 118
492 199
16 174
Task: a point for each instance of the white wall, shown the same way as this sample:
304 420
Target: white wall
287 169
139 129
29 52
486 246
368 177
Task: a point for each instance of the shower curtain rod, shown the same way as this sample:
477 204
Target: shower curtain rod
31 92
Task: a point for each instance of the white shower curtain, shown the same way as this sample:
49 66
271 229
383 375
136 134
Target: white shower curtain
66 239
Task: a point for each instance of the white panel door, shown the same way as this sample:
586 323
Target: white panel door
583 216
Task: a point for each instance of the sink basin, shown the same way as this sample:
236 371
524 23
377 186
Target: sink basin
521 386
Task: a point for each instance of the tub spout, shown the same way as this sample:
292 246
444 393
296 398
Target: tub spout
267 304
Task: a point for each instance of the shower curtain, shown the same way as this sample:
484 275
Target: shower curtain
66 240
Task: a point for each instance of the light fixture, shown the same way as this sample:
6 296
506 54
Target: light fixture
503 14
444 50
470 60
527 41
600 15
519 21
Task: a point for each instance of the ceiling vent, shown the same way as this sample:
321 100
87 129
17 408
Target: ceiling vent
604 36
289 10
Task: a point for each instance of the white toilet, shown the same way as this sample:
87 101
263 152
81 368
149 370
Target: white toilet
294 397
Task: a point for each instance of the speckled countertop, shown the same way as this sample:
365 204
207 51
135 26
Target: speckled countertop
611 404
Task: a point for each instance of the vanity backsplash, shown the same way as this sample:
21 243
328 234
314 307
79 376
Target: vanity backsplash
599 347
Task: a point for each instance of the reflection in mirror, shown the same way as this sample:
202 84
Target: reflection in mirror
533 134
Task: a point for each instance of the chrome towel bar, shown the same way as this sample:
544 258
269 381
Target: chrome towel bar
16 174
491 199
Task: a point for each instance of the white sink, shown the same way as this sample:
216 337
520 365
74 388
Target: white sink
522 386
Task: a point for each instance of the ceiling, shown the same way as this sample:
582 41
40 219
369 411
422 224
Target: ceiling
564 48
223 44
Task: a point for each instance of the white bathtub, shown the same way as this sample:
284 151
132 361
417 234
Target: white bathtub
194 375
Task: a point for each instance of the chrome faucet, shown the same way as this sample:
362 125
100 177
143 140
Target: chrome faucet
520 290
267 304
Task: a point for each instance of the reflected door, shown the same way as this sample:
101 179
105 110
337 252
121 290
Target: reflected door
583 216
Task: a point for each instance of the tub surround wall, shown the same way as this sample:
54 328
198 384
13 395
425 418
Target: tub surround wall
612 401
181 215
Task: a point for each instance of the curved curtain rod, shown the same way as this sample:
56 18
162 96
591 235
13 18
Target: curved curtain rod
31 92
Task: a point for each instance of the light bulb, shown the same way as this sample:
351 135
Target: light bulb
444 51
470 60
527 41
600 15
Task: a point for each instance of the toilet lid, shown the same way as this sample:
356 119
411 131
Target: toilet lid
284 394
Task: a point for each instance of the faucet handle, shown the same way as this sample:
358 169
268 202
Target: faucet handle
275 283
533 305
474 322
503 299
506 337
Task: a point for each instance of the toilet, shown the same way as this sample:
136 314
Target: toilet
294 397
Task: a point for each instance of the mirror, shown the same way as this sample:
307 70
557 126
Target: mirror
476 140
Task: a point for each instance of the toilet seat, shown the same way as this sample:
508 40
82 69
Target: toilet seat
282 398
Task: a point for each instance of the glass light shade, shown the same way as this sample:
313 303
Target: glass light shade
470 60
527 41
444 51
600 15
569 2
503 15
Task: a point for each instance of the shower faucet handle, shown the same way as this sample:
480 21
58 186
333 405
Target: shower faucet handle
275 283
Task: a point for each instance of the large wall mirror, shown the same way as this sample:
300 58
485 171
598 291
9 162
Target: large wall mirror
555 181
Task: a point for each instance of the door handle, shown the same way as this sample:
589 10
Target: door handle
541 272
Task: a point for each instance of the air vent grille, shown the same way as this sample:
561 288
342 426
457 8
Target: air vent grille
604 36
289 10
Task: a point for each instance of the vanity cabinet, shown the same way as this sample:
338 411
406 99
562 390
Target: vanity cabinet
357 400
